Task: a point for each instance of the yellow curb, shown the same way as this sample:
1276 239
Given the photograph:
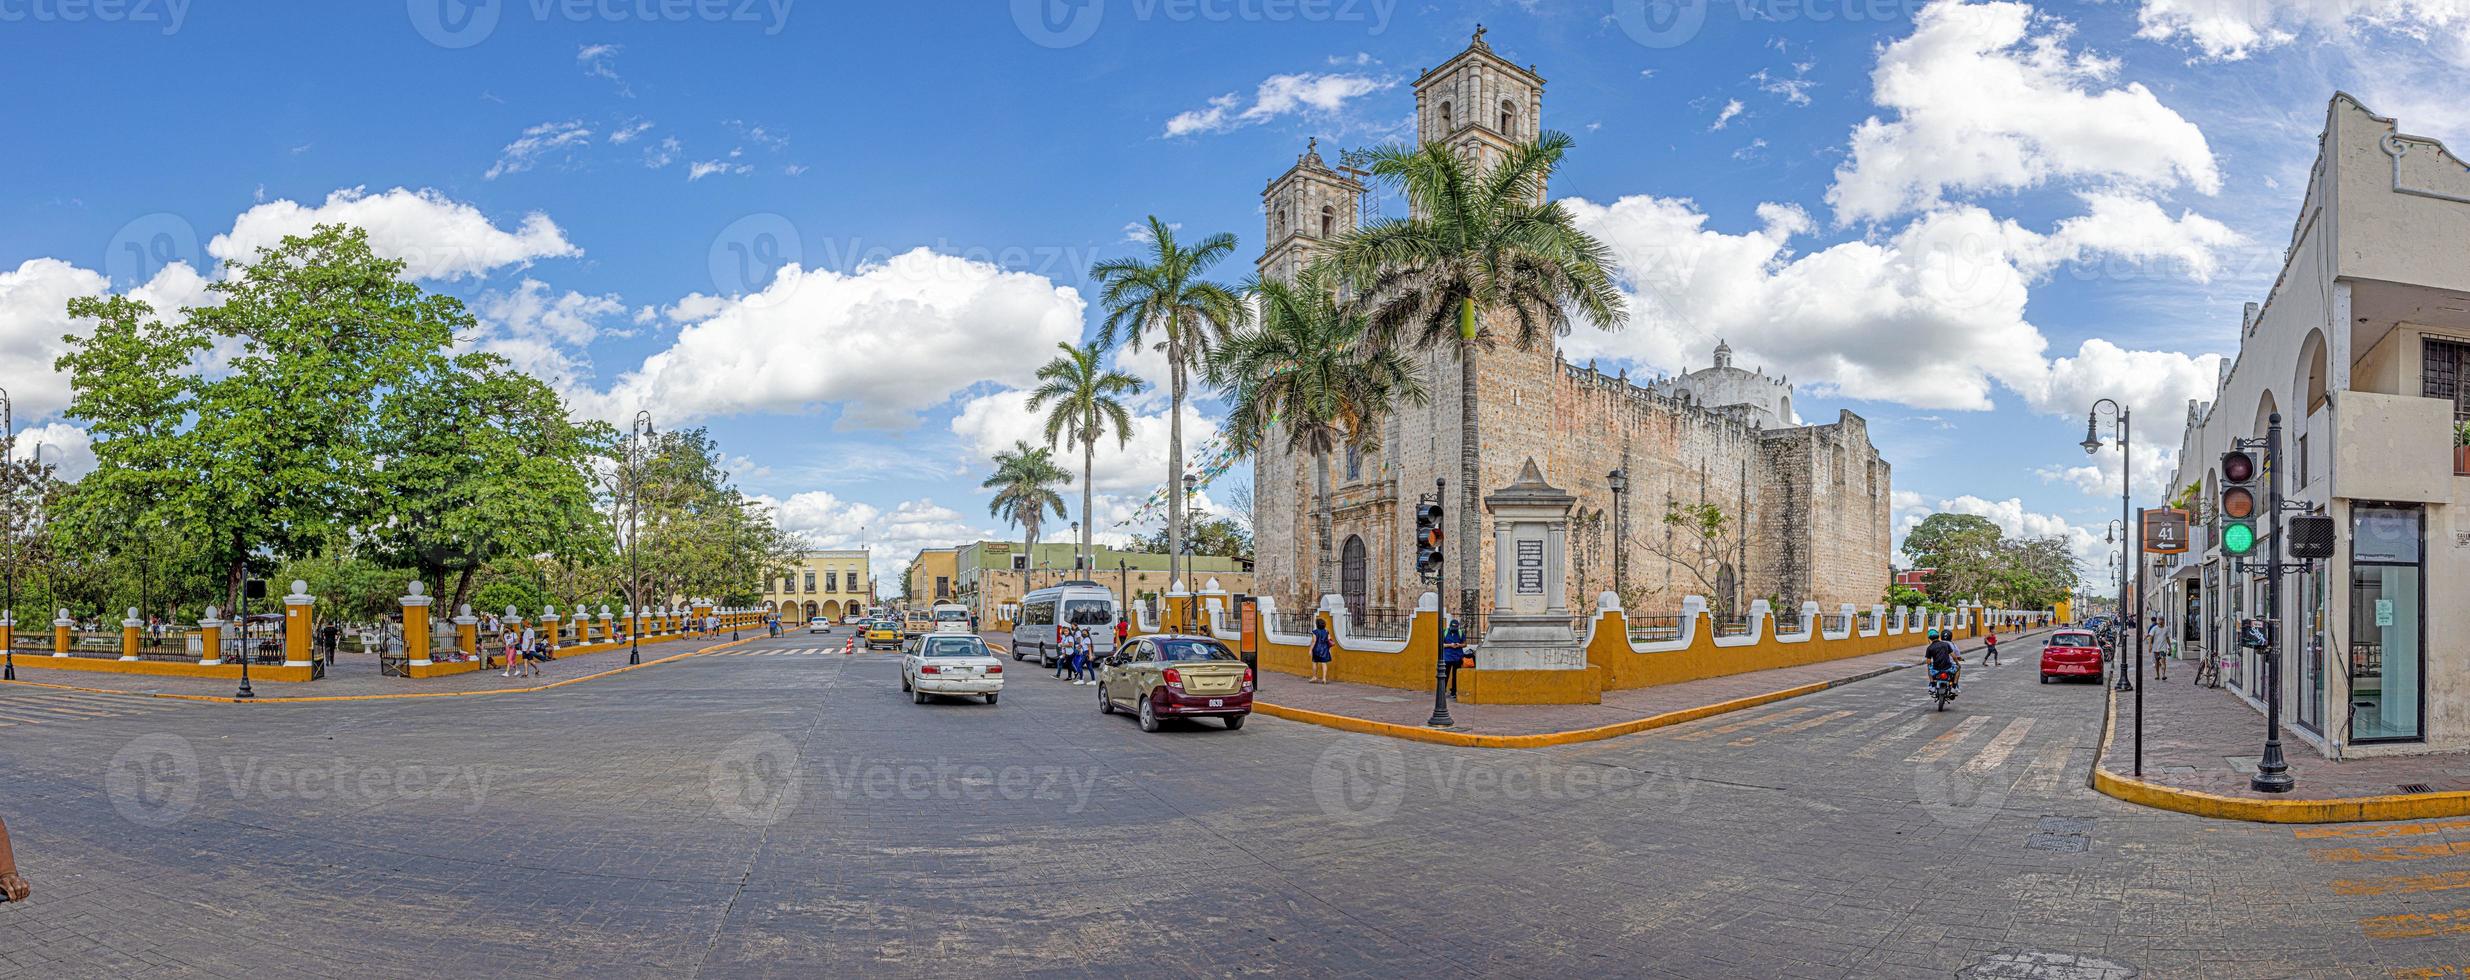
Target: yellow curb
226 699
2348 809
1442 736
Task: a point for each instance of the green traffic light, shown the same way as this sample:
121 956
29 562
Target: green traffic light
2238 539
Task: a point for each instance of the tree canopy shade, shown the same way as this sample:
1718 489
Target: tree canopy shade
1480 246
1307 371
315 421
1975 560
1164 295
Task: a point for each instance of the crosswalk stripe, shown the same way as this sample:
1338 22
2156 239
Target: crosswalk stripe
121 704
2352 855
1708 733
2382 830
2001 746
2413 925
2403 884
1858 727
1879 744
1944 743
1799 726
2049 767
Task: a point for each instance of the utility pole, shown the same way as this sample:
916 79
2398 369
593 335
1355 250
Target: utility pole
2273 771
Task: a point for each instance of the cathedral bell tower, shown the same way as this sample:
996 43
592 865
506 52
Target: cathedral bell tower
1479 103
1307 208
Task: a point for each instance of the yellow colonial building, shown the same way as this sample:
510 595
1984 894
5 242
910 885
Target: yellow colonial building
830 584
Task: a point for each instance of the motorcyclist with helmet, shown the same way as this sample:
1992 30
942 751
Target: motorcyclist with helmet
1944 659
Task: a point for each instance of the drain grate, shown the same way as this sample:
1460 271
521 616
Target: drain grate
2417 788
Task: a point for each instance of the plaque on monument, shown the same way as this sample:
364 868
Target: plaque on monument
1530 567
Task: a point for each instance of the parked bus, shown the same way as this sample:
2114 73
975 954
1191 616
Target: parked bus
1072 604
950 617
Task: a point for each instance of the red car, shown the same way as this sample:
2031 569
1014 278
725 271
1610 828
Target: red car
2071 653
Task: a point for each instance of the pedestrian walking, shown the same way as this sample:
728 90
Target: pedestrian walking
1453 655
13 888
514 653
1989 654
1089 654
1063 653
1321 651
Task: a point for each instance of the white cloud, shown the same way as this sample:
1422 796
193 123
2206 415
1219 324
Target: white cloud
537 142
1725 117
1794 90
1932 317
2232 29
663 153
1986 97
705 168
1278 95
991 423
544 334
886 341
434 236
65 447
34 318
627 133
600 61
2136 229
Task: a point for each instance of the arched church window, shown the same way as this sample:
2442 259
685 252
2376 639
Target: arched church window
1509 119
1354 463
1447 122
1329 221
1351 583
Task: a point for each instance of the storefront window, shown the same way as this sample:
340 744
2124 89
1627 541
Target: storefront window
2385 659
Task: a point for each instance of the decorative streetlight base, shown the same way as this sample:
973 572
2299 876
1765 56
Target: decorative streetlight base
2273 776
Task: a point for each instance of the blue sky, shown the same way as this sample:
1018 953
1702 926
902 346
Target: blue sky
1962 221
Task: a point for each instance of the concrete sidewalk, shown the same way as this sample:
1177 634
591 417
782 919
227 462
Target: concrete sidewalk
1575 722
2208 741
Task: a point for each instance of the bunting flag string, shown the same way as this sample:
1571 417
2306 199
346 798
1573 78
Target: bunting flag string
1206 465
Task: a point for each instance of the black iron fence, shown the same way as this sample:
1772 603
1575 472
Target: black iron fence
1655 629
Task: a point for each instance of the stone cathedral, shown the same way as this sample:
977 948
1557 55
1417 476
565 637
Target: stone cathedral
1808 504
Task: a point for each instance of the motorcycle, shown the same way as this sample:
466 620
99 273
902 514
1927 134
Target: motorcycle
1943 685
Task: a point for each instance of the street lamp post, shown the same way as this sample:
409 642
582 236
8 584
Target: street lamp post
2272 771
634 544
2126 482
1440 647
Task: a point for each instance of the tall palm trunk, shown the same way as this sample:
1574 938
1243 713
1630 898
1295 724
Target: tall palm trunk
1089 521
1470 550
1320 525
1175 455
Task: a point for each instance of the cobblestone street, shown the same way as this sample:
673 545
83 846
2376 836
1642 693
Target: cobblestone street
780 809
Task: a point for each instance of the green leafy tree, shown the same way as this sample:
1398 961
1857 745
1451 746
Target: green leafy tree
1964 551
478 460
133 385
1024 483
1306 370
1481 250
1084 404
1702 543
1164 295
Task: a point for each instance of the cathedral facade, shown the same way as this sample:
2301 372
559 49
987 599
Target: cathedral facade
1805 508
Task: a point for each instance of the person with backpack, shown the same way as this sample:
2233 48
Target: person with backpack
1453 655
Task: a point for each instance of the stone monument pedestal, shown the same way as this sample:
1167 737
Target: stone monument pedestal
1530 625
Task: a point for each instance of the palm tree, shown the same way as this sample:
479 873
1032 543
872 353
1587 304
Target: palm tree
1480 245
1166 293
1086 405
1306 369
1024 483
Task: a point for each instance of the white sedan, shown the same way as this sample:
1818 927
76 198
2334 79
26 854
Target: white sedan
954 664
819 625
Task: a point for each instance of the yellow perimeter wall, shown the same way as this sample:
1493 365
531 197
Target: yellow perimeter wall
1612 663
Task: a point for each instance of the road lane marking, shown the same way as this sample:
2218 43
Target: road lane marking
2382 830
1879 744
1858 727
2413 852
1739 725
2415 925
1798 726
2001 746
2049 767
2403 884
1947 742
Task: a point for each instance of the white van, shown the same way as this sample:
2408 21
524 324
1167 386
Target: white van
1072 604
950 617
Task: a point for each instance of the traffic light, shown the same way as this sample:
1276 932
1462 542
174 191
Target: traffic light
2238 502
1428 538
